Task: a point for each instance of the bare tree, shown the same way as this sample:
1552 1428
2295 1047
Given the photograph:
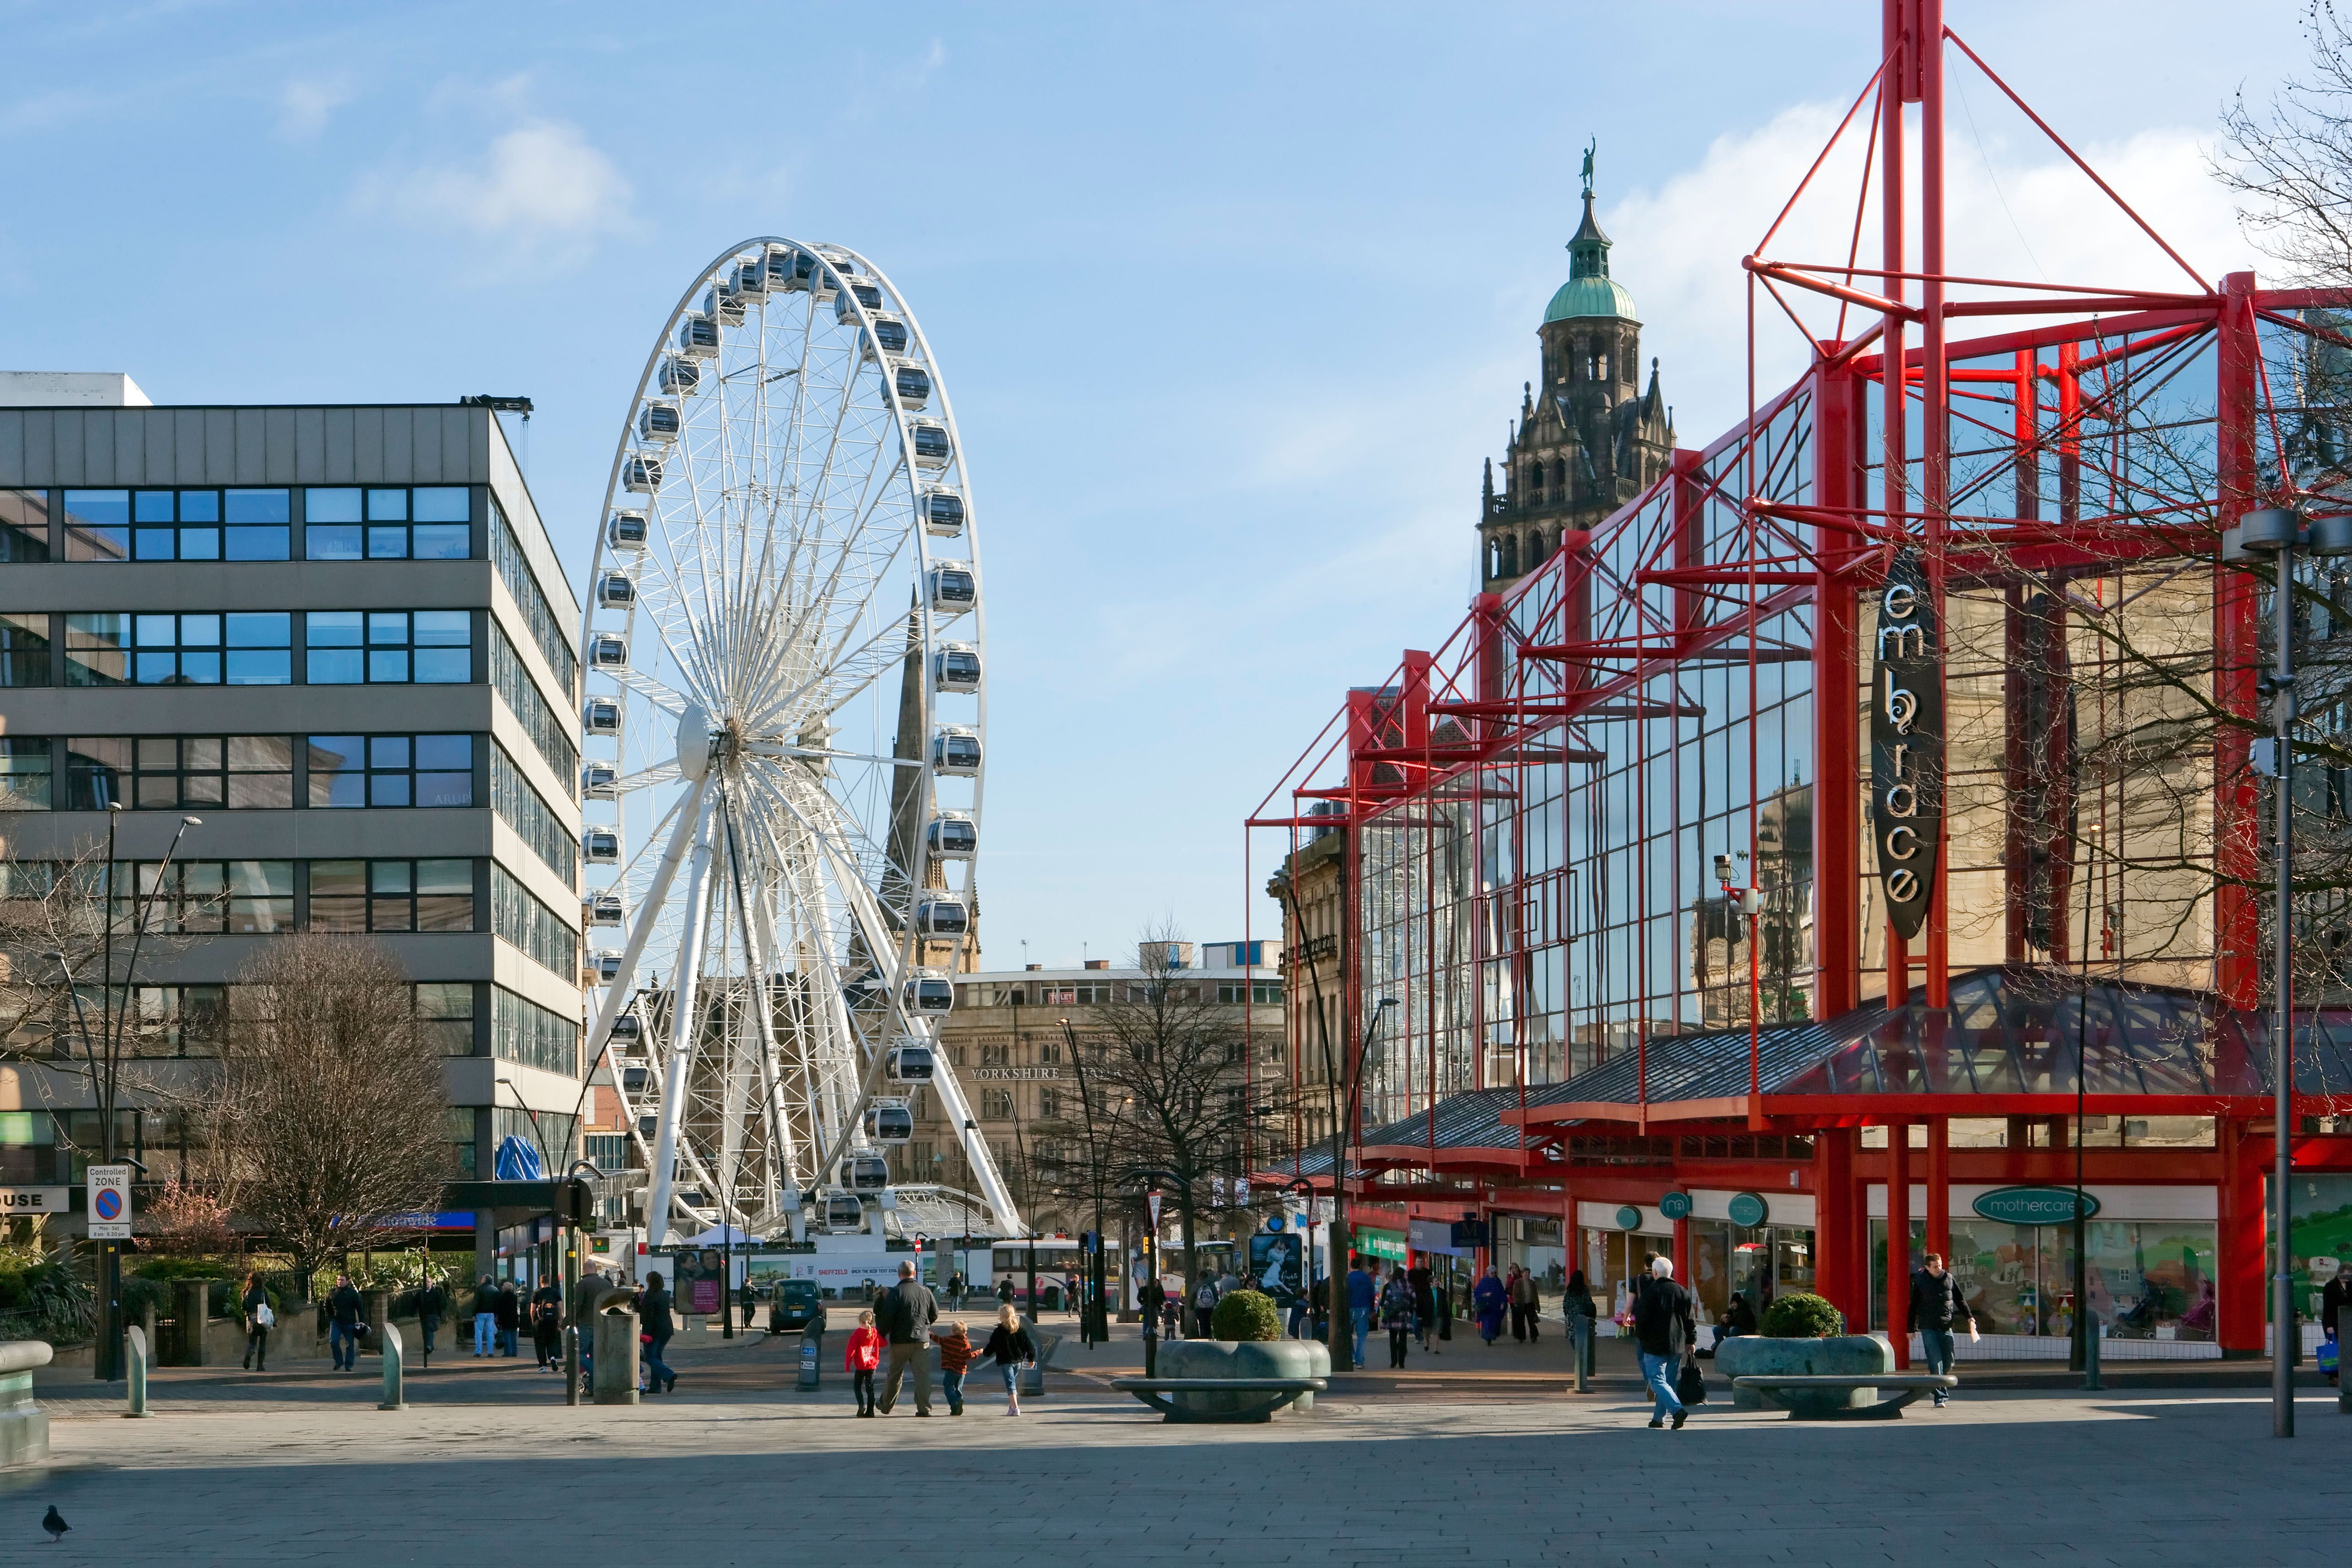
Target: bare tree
328 1116
2292 159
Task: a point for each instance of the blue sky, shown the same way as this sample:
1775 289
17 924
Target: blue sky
1232 301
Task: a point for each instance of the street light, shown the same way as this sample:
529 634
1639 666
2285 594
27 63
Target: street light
1342 1344
2278 534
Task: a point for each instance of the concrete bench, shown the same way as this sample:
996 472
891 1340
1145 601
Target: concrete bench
1908 1386
1283 1390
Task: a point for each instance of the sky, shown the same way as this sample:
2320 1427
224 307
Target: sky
1232 301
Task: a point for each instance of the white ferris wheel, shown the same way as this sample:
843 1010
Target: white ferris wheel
785 721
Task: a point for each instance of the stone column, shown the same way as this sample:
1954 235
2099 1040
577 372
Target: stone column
194 1307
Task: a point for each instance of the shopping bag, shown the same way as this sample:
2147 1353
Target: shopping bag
2327 1357
1691 1386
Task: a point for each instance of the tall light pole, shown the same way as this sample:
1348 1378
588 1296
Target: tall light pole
2278 534
1342 1344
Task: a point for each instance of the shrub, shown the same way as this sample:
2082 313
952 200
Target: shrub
182 1268
1802 1317
1247 1315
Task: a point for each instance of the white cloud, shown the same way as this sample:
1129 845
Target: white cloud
2015 209
539 191
306 104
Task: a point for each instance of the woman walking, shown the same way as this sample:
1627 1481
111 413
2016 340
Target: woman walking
259 1320
1425 1306
1396 1314
1487 1300
1010 1348
864 1355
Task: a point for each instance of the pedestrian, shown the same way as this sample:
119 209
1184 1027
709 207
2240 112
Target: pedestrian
432 1306
345 1312
1172 1311
1396 1314
2331 1310
1487 1299
1004 1291
1010 1348
1362 1295
1530 1300
1667 1337
1148 1298
905 1315
955 1354
655 1325
955 1287
1937 1307
1204 1310
864 1355
749 1299
547 1325
1738 1317
1226 1283
254 1304
507 1311
485 1316
1422 1284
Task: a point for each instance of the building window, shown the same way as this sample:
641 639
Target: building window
524 1031
241 648
996 1104
445 1016
165 771
535 822
180 1020
547 629
24 525
428 523
391 770
550 735
23 650
608 1151
25 768
996 1055
209 898
392 895
423 647
1049 1106
1259 993
531 927
178 525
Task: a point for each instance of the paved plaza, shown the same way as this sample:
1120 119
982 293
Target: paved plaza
736 1469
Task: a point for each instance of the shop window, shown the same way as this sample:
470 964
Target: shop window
428 523
391 770
349 648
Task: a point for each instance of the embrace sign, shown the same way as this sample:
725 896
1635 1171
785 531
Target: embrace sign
1906 745
2034 1206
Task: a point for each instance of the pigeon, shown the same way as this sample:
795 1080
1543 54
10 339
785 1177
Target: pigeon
54 1523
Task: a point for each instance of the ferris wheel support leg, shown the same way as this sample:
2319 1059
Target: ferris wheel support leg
681 1021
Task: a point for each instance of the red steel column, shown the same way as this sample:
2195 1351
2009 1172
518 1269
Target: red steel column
1899 46
1841 433
2237 933
1928 40
1939 1187
1832 1178
1899 1241
2241 1250
1682 1255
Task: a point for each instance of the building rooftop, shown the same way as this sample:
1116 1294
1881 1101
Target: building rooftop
70 389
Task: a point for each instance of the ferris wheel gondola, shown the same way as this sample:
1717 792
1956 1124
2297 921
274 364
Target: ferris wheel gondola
778 731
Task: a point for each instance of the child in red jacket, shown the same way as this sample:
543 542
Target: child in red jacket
864 1355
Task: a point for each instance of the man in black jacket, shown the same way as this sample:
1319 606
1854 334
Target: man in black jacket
905 1315
345 1312
2332 1300
432 1306
1937 1307
1667 1337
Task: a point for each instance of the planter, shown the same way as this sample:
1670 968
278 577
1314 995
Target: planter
24 1425
1751 1355
1242 1359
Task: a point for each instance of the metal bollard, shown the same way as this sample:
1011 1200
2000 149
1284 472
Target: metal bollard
1580 1333
138 1373
2090 1383
1151 1351
394 1355
809 1379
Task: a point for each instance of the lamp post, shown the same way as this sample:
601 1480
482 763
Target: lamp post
1094 1325
2278 534
1343 1345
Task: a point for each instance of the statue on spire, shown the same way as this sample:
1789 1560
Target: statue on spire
1589 148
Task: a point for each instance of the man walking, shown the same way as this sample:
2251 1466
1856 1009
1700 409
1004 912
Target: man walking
1667 1336
905 1315
1361 1296
2332 1300
345 1313
547 1325
485 1316
432 1306
1937 1306
1204 1310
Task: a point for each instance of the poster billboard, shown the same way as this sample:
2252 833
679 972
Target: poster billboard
1277 1265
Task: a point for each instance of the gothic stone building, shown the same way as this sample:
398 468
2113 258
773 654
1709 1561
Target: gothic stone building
1594 438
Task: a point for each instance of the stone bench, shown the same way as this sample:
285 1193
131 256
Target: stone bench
1908 1386
24 1424
1282 1391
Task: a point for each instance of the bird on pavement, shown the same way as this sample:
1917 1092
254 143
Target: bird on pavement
54 1523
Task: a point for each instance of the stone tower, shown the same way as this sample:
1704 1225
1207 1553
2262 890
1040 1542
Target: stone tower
1594 438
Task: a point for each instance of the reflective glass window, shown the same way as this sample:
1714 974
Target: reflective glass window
24 525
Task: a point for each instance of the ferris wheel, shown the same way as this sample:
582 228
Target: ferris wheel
783 737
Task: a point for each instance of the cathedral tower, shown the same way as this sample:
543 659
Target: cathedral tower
1594 438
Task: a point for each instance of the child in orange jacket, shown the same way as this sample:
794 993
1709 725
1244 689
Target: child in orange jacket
865 1356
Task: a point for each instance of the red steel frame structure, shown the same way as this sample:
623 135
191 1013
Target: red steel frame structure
1526 805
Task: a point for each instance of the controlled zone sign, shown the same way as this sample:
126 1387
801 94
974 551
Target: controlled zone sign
110 1202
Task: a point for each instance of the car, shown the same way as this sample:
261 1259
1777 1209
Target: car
794 1306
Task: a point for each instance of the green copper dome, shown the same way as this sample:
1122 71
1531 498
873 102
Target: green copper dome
1590 290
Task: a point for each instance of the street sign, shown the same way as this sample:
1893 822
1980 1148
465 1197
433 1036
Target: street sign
1152 1199
1628 1217
1676 1205
1747 1210
110 1202
1274 1222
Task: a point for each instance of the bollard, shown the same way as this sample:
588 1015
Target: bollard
1151 1351
1579 1334
616 1353
809 1379
393 1358
2090 1383
137 1337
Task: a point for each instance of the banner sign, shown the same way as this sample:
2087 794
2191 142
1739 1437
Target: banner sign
1906 745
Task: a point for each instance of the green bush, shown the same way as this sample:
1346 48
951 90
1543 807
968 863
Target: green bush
1247 1315
183 1268
1802 1317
